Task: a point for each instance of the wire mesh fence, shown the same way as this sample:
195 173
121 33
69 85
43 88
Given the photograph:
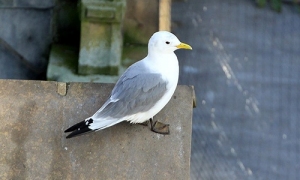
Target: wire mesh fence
245 67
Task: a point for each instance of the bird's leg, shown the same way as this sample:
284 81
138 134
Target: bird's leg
159 127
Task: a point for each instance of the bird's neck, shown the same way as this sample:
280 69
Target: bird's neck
159 61
162 56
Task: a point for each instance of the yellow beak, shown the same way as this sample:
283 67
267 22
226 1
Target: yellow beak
184 46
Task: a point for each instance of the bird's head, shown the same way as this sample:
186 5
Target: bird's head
165 42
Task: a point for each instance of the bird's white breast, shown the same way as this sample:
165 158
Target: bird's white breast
169 69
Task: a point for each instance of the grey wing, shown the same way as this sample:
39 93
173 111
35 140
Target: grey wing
133 94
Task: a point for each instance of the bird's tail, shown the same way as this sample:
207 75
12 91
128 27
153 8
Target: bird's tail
80 128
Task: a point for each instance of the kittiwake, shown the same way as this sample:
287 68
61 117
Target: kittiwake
142 91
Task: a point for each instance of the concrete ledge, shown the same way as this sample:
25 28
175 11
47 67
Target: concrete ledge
34 114
62 67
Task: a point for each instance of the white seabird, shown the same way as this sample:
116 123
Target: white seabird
142 91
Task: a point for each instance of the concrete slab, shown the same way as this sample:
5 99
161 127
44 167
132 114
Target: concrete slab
62 67
34 115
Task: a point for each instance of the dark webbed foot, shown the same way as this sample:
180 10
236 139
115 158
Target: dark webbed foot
159 127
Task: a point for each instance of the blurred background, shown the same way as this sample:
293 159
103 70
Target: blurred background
244 66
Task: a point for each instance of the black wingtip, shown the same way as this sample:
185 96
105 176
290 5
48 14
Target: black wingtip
79 132
79 128
76 126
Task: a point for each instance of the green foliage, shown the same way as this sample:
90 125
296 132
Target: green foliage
261 3
276 5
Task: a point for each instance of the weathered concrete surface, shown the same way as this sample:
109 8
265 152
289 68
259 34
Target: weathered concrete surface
62 67
33 146
101 37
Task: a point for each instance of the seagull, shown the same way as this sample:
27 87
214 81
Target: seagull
142 91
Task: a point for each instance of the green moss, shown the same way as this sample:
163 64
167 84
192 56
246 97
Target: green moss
261 3
109 70
129 38
276 5
133 53
133 34
66 56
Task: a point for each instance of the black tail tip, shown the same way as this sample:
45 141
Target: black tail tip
67 130
79 132
79 129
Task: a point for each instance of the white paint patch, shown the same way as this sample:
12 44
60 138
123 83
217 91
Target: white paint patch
241 165
214 125
251 105
195 23
249 171
190 69
232 150
226 71
178 128
284 136
210 96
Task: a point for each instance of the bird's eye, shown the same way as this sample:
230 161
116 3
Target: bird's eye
167 42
